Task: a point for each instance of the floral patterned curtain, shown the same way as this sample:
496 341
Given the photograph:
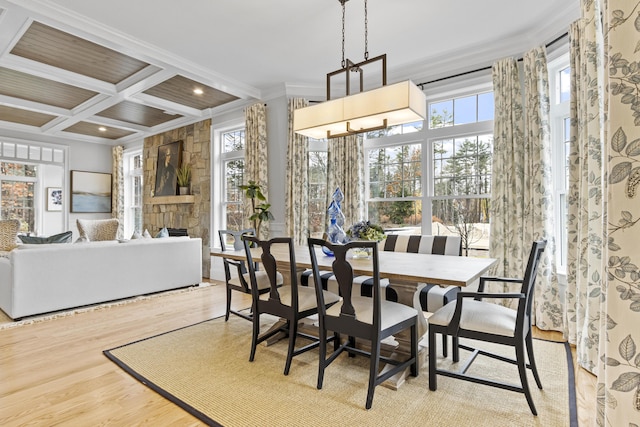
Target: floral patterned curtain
586 204
522 205
511 238
297 188
256 159
346 170
539 203
618 400
117 188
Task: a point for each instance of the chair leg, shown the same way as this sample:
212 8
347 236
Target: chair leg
373 371
522 369
455 343
255 334
532 360
322 356
444 345
433 383
226 314
292 326
415 366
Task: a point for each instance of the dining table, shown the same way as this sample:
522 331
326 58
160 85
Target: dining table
407 272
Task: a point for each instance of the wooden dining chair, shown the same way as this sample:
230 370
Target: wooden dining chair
235 272
371 319
289 302
470 316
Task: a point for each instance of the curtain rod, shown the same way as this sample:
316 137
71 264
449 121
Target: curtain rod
551 43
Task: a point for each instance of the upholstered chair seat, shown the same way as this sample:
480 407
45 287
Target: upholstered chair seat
479 316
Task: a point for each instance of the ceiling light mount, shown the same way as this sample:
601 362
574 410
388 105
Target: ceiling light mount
363 111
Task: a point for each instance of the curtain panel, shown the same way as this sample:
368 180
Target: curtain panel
619 403
522 198
539 203
256 158
346 170
510 237
297 187
586 204
117 188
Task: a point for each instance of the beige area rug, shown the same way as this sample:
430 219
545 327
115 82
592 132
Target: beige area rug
204 369
6 322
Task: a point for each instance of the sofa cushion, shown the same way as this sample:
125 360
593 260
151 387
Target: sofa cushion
8 234
162 233
98 229
56 238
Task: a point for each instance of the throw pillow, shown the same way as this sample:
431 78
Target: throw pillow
98 229
56 238
162 233
136 235
8 234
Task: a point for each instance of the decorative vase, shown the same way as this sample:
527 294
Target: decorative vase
183 191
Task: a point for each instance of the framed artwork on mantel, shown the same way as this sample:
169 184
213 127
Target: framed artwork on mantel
90 192
167 169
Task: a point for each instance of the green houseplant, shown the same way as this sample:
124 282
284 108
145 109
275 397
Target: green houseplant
259 205
184 178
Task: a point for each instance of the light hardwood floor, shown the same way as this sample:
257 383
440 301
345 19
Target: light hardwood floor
54 372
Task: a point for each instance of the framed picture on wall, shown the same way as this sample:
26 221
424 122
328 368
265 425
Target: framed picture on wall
90 192
169 157
54 199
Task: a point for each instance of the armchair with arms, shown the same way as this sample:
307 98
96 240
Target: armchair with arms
469 316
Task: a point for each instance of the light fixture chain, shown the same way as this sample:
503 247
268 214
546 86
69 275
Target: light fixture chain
366 32
343 63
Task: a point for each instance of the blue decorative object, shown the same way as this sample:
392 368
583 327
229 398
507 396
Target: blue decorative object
335 232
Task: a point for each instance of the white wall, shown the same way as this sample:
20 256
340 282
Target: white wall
53 222
91 158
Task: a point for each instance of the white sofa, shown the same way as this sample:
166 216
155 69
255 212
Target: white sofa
37 279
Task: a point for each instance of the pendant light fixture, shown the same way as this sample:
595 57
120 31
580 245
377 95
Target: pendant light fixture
364 111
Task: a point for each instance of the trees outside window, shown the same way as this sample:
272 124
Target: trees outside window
436 180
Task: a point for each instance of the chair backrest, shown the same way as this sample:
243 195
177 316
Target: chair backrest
237 245
237 238
344 274
423 244
267 248
529 281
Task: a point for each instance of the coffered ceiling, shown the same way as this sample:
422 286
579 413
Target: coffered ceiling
119 70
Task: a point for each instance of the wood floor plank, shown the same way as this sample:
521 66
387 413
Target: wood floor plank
54 373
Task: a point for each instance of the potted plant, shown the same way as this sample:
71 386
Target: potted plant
259 205
184 178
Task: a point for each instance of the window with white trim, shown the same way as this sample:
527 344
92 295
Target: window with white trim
317 186
436 179
133 187
559 82
232 144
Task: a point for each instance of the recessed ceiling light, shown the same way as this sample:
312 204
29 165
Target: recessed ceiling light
102 129
198 91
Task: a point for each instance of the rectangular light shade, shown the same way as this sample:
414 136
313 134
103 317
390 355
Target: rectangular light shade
398 103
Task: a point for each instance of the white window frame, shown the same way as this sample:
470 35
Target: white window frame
426 137
558 112
129 174
218 160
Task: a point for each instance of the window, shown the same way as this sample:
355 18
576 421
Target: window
395 186
559 81
17 196
133 192
436 179
317 189
232 145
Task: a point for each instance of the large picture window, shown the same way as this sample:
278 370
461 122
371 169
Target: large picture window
436 179
233 146
17 194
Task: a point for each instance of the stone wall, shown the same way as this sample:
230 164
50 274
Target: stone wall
195 217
